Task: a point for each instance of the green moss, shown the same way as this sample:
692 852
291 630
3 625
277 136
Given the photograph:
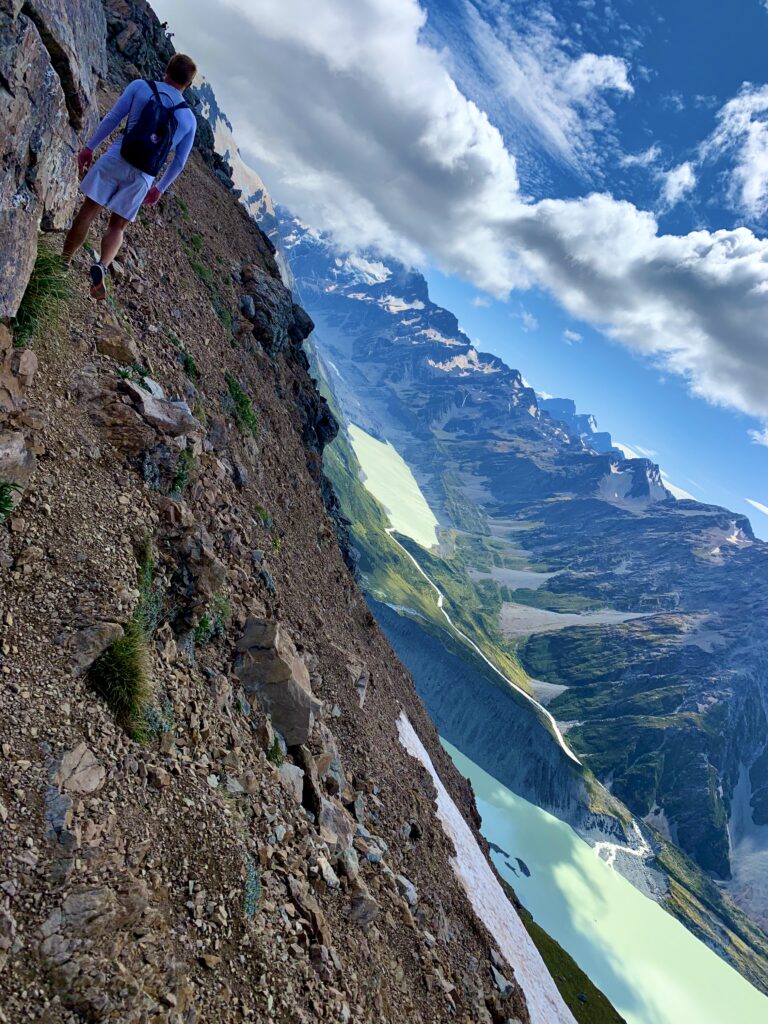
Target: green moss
253 889
7 491
213 623
190 366
196 243
242 408
184 464
275 753
121 675
202 271
45 299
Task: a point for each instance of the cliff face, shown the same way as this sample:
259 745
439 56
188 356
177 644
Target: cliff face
206 812
51 54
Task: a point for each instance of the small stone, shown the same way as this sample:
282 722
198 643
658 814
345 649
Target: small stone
408 889
158 777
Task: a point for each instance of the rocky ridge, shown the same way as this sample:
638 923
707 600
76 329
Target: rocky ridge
251 842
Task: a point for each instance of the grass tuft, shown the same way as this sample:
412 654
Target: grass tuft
121 676
242 407
45 299
7 491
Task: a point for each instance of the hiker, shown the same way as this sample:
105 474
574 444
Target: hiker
159 120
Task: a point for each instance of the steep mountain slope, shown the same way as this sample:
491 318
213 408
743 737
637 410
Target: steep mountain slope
632 615
207 811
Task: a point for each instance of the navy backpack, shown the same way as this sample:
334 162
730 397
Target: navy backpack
147 144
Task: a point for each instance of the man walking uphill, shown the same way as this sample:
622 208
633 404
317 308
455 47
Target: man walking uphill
123 179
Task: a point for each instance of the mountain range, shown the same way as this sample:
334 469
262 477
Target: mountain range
631 617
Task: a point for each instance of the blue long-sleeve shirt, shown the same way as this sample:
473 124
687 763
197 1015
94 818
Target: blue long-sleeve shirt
130 105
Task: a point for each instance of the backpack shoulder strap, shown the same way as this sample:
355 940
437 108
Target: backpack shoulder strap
180 106
153 86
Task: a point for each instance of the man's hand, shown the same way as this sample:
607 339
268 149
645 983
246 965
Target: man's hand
152 198
84 160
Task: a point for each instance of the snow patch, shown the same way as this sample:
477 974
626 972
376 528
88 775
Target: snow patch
545 1004
393 304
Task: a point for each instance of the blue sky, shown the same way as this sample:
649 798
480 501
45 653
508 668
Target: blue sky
591 166
688 60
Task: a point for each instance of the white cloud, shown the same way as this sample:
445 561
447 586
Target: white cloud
759 436
678 492
627 451
572 337
524 73
742 131
362 131
758 505
530 323
481 301
677 183
646 158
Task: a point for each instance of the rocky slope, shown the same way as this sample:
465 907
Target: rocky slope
207 812
632 615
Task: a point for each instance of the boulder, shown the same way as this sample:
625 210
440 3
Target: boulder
364 909
74 32
270 669
86 646
118 345
292 778
169 417
79 771
335 824
17 462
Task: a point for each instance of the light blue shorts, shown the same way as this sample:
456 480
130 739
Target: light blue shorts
116 184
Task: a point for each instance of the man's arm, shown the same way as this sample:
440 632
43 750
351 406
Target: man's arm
180 157
117 114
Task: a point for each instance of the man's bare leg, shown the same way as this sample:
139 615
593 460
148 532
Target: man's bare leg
78 233
113 238
110 246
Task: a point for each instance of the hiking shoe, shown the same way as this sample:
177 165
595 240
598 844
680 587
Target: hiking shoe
97 274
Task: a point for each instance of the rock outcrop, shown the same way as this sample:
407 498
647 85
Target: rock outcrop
52 53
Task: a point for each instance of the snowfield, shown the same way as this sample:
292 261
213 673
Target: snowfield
545 1004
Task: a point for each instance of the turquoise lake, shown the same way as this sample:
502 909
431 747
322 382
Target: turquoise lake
652 969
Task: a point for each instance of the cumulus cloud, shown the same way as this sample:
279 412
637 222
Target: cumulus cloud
676 184
759 436
742 132
572 337
361 129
